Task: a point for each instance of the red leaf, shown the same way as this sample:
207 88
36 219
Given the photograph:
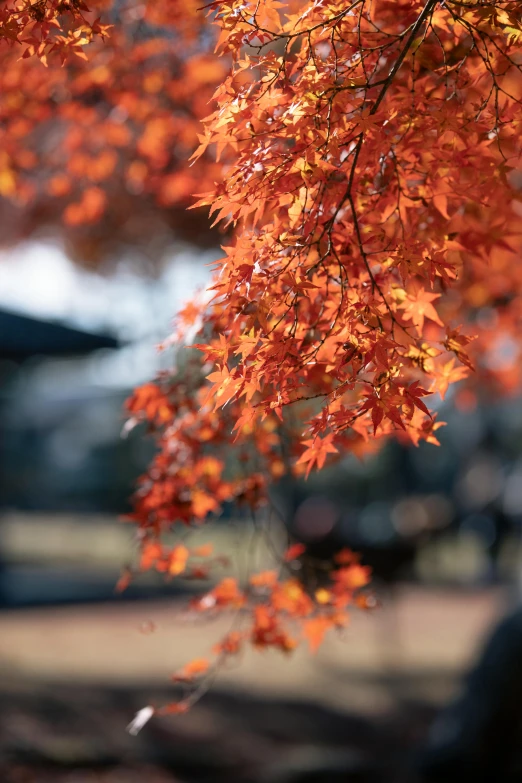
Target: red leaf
294 552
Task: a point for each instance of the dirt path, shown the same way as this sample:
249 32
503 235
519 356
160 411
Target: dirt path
423 632
71 679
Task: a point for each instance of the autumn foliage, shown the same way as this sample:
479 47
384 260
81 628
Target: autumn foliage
369 185
99 138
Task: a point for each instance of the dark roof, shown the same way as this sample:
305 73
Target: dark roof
22 337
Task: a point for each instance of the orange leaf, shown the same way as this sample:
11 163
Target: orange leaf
230 645
203 503
293 552
346 557
323 596
150 554
440 201
264 579
175 708
194 668
124 580
227 593
314 631
178 560
352 577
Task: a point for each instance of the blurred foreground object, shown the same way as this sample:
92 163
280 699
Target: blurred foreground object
478 737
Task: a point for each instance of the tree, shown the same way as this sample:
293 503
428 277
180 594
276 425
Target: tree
371 159
95 136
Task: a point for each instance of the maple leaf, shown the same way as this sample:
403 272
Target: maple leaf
323 596
418 307
178 560
352 577
151 552
317 452
203 503
194 668
124 580
227 593
314 631
346 557
379 409
230 644
174 708
264 579
447 374
247 345
456 342
225 385
414 392
294 552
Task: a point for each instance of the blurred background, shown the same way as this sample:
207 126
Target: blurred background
440 526
83 303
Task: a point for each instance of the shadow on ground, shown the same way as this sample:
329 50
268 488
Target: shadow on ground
68 734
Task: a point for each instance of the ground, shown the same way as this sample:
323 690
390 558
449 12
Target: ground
72 678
